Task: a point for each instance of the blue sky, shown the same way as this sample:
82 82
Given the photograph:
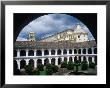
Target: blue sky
50 24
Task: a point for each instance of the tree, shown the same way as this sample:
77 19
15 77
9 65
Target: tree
28 69
92 65
84 66
64 64
76 63
40 67
70 66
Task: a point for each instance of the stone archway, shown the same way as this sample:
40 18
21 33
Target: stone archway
22 64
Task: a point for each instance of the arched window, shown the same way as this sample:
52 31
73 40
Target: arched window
39 53
39 62
89 51
95 50
79 51
31 53
46 52
52 52
75 51
22 53
70 51
90 59
64 51
15 53
59 52
84 51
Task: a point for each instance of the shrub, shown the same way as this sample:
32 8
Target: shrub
92 65
40 67
28 69
70 66
49 71
55 68
84 66
64 64
35 72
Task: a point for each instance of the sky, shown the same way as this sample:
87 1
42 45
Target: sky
51 24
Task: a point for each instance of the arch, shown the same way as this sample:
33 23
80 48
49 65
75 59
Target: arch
46 52
79 58
89 51
70 51
75 58
59 52
15 53
95 50
64 51
65 59
84 51
75 51
46 61
31 62
59 61
84 58
90 59
52 52
39 53
39 62
22 64
22 53
70 59
79 51
95 59
53 61
15 65
31 53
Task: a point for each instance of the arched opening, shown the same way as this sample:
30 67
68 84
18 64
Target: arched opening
65 59
39 62
46 52
52 52
79 51
84 51
95 58
95 50
84 58
39 53
90 59
22 53
53 61
70 59
59 61
15 65
46 61
15 53
79 58
22 64
31 53
64 51
59 52
75 58
70 51
31 62
75 51
89 51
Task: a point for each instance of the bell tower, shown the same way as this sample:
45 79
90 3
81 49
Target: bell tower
31 36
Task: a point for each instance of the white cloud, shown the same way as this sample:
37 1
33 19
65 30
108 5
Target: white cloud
21 39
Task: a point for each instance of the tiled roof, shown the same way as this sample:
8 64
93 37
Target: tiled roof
52 45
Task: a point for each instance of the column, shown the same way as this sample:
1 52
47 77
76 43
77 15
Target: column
35 63
81 50
72 51
55 51
18 62
27 61
18 53
49 60
92 50
42 60
42 52
67 51
73 58
67 59
56 61
26 52
34 52
87 59
86 50
62 59
81 58
49 52
93 59
61 51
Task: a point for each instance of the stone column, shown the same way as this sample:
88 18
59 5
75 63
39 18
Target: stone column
55 51
72 51
56 61
81 50
87 59
18 62
49 60
27 61
61 51
42 52
86 50
92 50
49 52
62 59
67 51
27 52
73 58
35 63
18 53
81 58
93 59
34 52
67 59
42 60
